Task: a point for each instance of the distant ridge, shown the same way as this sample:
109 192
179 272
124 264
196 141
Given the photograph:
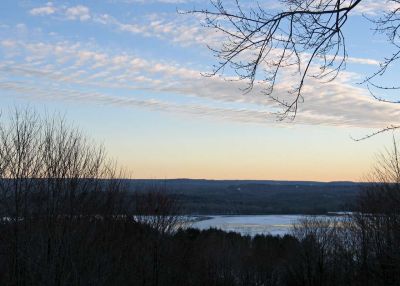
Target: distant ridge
204 196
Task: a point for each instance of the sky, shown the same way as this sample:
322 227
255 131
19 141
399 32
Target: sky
130 74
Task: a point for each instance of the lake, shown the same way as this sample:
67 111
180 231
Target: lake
249 224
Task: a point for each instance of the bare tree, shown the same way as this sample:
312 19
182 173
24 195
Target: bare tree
304 38
157 208
52 181
376 224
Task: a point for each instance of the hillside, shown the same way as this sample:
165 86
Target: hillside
257 197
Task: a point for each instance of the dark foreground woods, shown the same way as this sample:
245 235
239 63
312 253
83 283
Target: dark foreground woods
118 250
65 219
93 233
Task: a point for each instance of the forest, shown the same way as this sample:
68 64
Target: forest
147 248
251 197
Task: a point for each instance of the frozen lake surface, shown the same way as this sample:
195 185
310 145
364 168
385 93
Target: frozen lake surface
250 224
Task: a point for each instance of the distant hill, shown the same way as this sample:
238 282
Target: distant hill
257 197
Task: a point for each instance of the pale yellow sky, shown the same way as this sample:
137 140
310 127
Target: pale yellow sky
257 152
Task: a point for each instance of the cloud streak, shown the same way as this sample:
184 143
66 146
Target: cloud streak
184 30
373 8
73 71
42 11
78 12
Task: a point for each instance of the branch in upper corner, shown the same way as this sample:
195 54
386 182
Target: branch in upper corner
303 40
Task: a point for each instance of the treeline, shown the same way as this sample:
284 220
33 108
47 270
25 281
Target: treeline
247 197
66 219
121 250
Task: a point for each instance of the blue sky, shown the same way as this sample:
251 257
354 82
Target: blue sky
128 72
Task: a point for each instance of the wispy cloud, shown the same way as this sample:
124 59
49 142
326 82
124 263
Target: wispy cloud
75 71
48 9
372 7
78 12
49 93
183 30
366 7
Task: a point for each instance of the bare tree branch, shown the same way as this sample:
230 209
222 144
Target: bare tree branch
304 38
259 45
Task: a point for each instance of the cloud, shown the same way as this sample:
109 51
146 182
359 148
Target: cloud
373 8
8 43
377 118
78 12
84 72
183 30
79 72
43 11
48 93
366 7
363 61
